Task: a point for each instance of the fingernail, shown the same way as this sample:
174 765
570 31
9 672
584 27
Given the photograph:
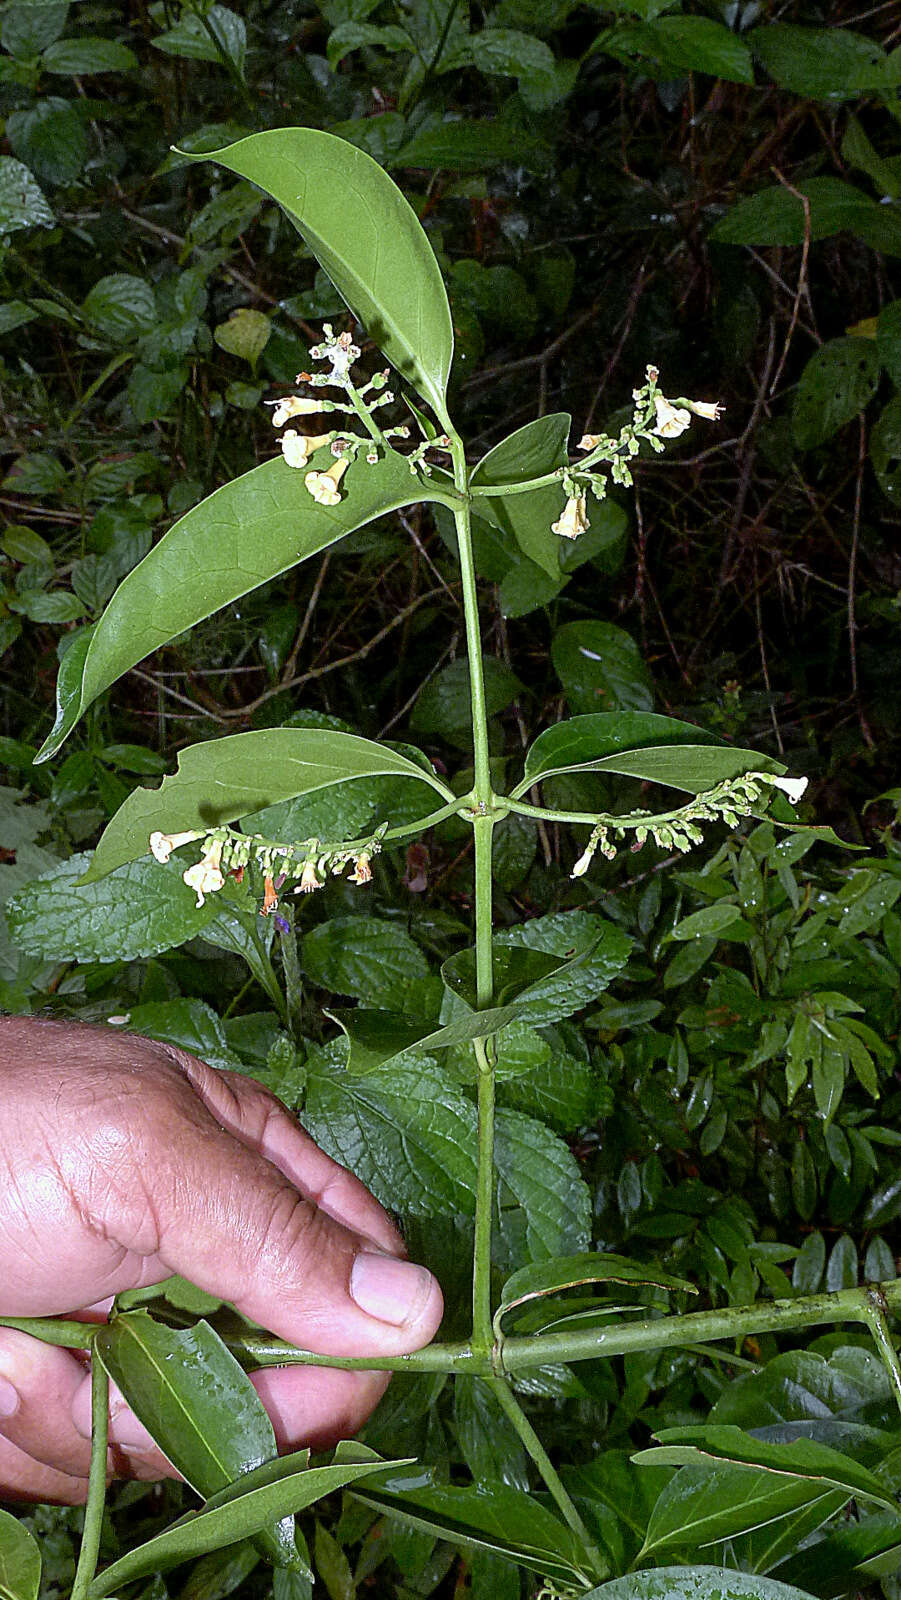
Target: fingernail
9 1399
392 1290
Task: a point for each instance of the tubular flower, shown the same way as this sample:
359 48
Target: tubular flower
712 410
323 486
163 844
309 879
793 787
298 447
671 420
573 520
362 872
205 877
590 441
583 863
270 898
294 406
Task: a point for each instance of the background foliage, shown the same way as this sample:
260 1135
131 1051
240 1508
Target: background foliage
711 188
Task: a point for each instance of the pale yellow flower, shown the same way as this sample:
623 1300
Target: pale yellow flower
583 863
589 441
573 519
294 406
163 844
309 879
671 420
205 877
362 872
297 447
323 486
712 410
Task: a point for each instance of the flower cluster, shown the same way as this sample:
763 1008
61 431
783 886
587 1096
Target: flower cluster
306 865
654 418
731 800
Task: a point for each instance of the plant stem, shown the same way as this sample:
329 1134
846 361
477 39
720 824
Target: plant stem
291 973
877 1322
93 1511
513 1410
482 1331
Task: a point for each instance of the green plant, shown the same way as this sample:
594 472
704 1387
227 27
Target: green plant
491 999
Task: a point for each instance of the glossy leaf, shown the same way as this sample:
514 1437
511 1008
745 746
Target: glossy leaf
601 668
567 1272
512 1524
543 1176
20 1561
264 1496
703 1505
140 910
543 985
198 1404
654 748
695 1583
684 44
530 452
247 532
366 236
229 778
804 1458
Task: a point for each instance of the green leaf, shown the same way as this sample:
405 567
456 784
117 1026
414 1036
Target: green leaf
138 911
776 216
245 334
350 36
508 52
259 1498
888 340
377 1038
50 136
74 57
191 41
190 1024
249 531
807 1459
364 956
490 1445
712 922
407 1132
470 146
653 748
885 450
231 777
837 383
695 1583
368 239
703 1505
512 1524
535 969
600 668
20 1561
444 706
543 1176
530 452
568 1272
29 27
684 44
121 307
199 1405
22 200
824 63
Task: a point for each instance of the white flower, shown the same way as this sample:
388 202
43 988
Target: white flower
583 863
163 844
323 486
711 409
671 420
589 441
362 872
573 519
293 406
793 787
309 879
298 447
205 877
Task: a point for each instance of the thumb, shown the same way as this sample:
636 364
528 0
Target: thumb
232 1221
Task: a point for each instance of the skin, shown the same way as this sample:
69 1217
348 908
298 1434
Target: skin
123 1161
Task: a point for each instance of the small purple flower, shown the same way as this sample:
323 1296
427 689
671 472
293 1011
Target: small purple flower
282 923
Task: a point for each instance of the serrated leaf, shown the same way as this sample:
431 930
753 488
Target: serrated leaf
377 1038
368 239
198 1404
837 383
363 956
22 200
20 1560
244 334
824 63
250 1506
407 1132
247 532
776 216
543 1176
529 972
138 911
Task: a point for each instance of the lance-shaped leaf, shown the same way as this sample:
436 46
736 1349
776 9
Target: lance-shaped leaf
263 1496
530 452
696 1583
377 1038
20 1560
568 1272
803 1458
703 1505
246 533
366 236
640 745
199 1405
228 778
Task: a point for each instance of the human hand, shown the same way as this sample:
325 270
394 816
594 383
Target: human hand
123 1161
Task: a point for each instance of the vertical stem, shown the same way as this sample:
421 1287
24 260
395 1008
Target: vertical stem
93 1511
482 823
291 973
512 1409
877 1322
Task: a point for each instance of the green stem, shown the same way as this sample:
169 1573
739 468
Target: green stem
291 973
513 1410
482 1330
93 1511
108 371
877 1322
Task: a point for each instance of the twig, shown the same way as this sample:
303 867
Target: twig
802 290
868 739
